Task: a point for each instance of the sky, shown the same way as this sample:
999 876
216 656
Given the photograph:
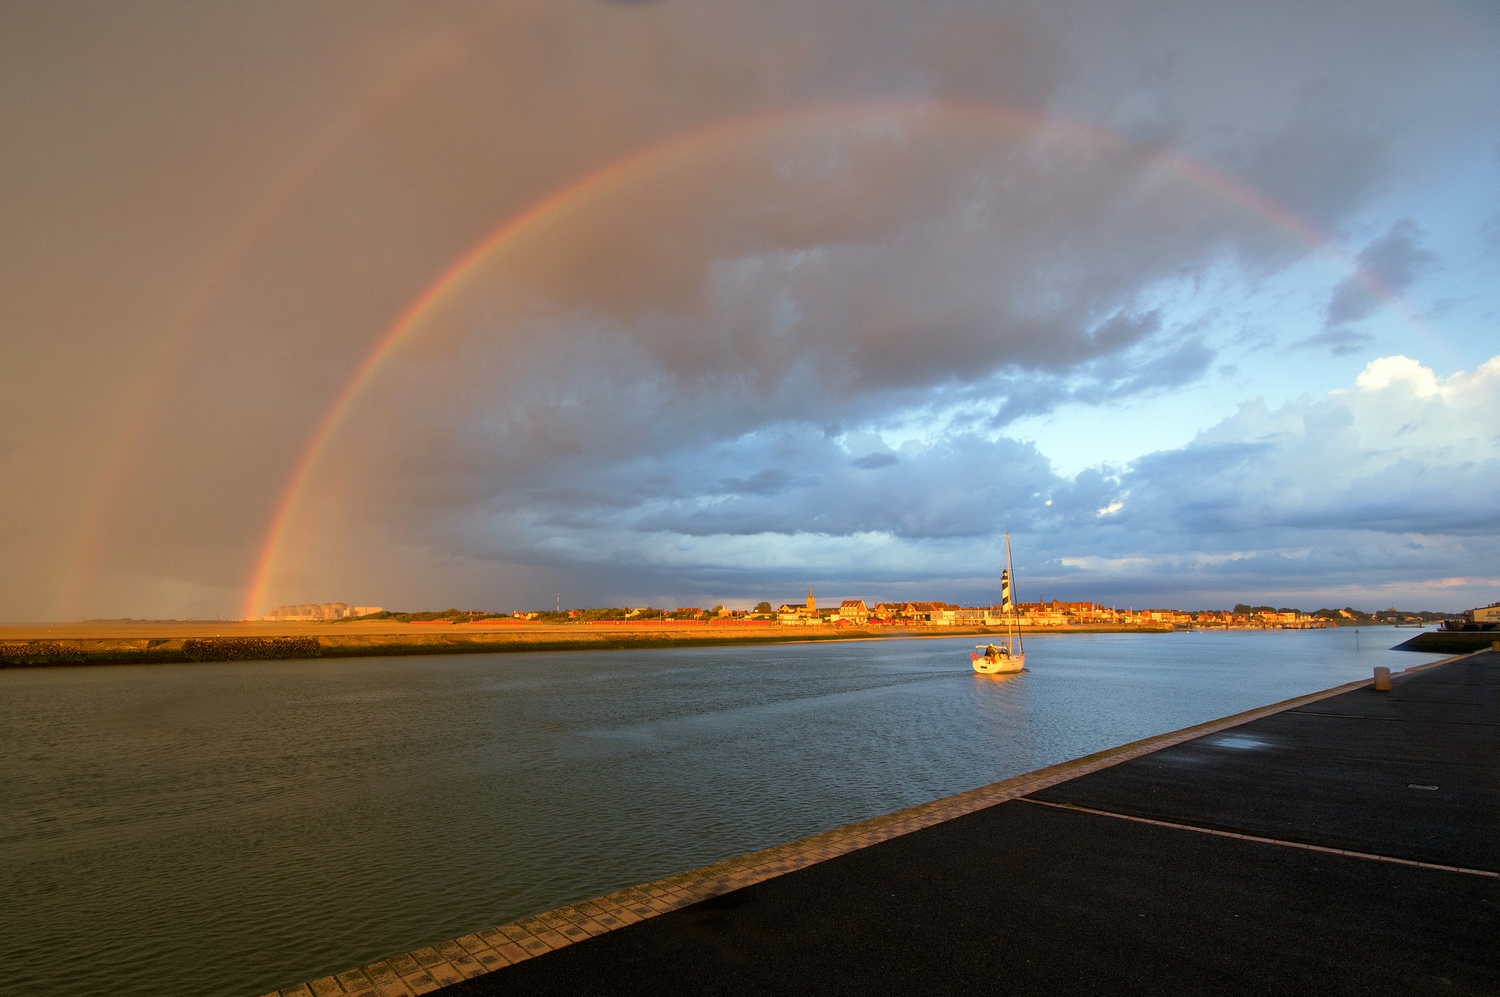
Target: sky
650 302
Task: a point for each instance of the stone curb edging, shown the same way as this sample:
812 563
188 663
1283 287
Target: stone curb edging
427 969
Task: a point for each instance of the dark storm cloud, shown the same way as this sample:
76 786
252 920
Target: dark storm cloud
768 481
1392 477
1394 261
695 397
1317 165
212 214
949 489
1111 378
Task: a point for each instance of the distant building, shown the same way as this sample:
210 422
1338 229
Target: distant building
1173 616
1060 614
1290 616
1481 618
938 614
802 613
1041 614
1083 612
309 612
854 611
931 613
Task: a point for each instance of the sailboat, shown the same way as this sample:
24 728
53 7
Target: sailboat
1002 659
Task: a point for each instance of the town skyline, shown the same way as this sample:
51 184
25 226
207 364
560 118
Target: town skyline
1051 613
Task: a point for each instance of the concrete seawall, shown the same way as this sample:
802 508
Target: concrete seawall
1449 642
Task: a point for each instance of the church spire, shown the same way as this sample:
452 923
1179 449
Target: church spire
812 604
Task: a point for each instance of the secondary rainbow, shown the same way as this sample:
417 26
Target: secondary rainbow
254 229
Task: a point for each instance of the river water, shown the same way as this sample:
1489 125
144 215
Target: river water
226 829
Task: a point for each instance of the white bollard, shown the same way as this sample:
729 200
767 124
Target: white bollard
1382 679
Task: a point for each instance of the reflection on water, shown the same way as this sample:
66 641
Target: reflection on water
231 828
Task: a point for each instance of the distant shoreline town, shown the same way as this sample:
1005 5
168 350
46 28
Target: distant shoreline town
856 612
337 630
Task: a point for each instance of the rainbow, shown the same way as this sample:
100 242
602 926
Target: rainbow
588 189
255 227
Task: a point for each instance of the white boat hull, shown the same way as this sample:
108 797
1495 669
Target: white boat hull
1003 664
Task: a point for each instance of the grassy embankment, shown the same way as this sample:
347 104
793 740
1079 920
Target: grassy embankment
185 642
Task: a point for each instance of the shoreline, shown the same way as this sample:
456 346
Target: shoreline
79 645
192 642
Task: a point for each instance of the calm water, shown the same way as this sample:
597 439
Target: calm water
231 828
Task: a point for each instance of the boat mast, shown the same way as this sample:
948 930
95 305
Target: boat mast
1010 569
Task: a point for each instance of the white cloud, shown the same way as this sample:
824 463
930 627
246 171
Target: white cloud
1404 450
1379 374
1389 483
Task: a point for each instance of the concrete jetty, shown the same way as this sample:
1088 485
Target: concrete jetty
1346 842
1449 641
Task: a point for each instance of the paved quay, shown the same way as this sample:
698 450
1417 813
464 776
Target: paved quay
1342 843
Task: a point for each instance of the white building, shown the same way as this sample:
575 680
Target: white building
311 612
854 611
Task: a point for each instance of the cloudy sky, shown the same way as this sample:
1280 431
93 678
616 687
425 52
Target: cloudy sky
681 303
